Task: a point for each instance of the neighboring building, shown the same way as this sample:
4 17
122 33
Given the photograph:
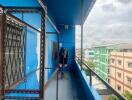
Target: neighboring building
101 59
78 53
88 54
120 68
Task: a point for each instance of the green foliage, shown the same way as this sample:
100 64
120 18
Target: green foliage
128 95
87 71
113 97
91 65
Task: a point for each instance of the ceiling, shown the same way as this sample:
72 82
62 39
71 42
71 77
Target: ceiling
68 12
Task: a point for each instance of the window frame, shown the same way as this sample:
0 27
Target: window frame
119 62
130 64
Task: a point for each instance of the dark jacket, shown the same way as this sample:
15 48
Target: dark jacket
63 56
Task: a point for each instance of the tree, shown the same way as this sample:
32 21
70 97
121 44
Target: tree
128 95
113 97
91 65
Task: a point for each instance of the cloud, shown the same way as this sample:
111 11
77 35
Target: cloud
125 1
109 22
109 7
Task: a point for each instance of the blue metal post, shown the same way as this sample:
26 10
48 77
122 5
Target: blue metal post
81 33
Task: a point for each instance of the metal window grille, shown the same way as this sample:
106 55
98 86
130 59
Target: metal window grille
14 58
15 29
12 51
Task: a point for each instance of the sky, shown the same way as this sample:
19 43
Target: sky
109 22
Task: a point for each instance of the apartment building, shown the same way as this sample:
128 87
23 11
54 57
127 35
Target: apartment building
101 59
120 68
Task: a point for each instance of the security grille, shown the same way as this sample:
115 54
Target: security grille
13 33
14 51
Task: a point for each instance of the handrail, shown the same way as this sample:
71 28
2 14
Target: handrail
103 81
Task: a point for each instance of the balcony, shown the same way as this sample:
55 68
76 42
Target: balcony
29 51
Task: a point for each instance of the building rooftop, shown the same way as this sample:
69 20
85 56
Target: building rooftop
121 46
116 46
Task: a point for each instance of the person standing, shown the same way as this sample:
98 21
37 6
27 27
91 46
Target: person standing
63 59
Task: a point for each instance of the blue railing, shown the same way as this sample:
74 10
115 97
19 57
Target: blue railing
92 79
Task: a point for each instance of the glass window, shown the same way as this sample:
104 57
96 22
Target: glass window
106 60
113 60
118 88
119 62
91 53
108 71
129 80
108 80
130 64
119 75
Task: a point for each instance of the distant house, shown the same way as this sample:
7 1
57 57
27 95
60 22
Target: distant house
88 54
78 53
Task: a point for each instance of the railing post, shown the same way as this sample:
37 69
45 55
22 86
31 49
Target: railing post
57 86
58 66
81 33
2 56
81 45
42 56
90 81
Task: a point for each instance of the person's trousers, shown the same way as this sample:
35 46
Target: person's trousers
61 69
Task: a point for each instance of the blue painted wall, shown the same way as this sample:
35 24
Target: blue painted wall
50 62
31 3
49 27
67 38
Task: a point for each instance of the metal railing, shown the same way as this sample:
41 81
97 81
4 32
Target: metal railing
108 86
